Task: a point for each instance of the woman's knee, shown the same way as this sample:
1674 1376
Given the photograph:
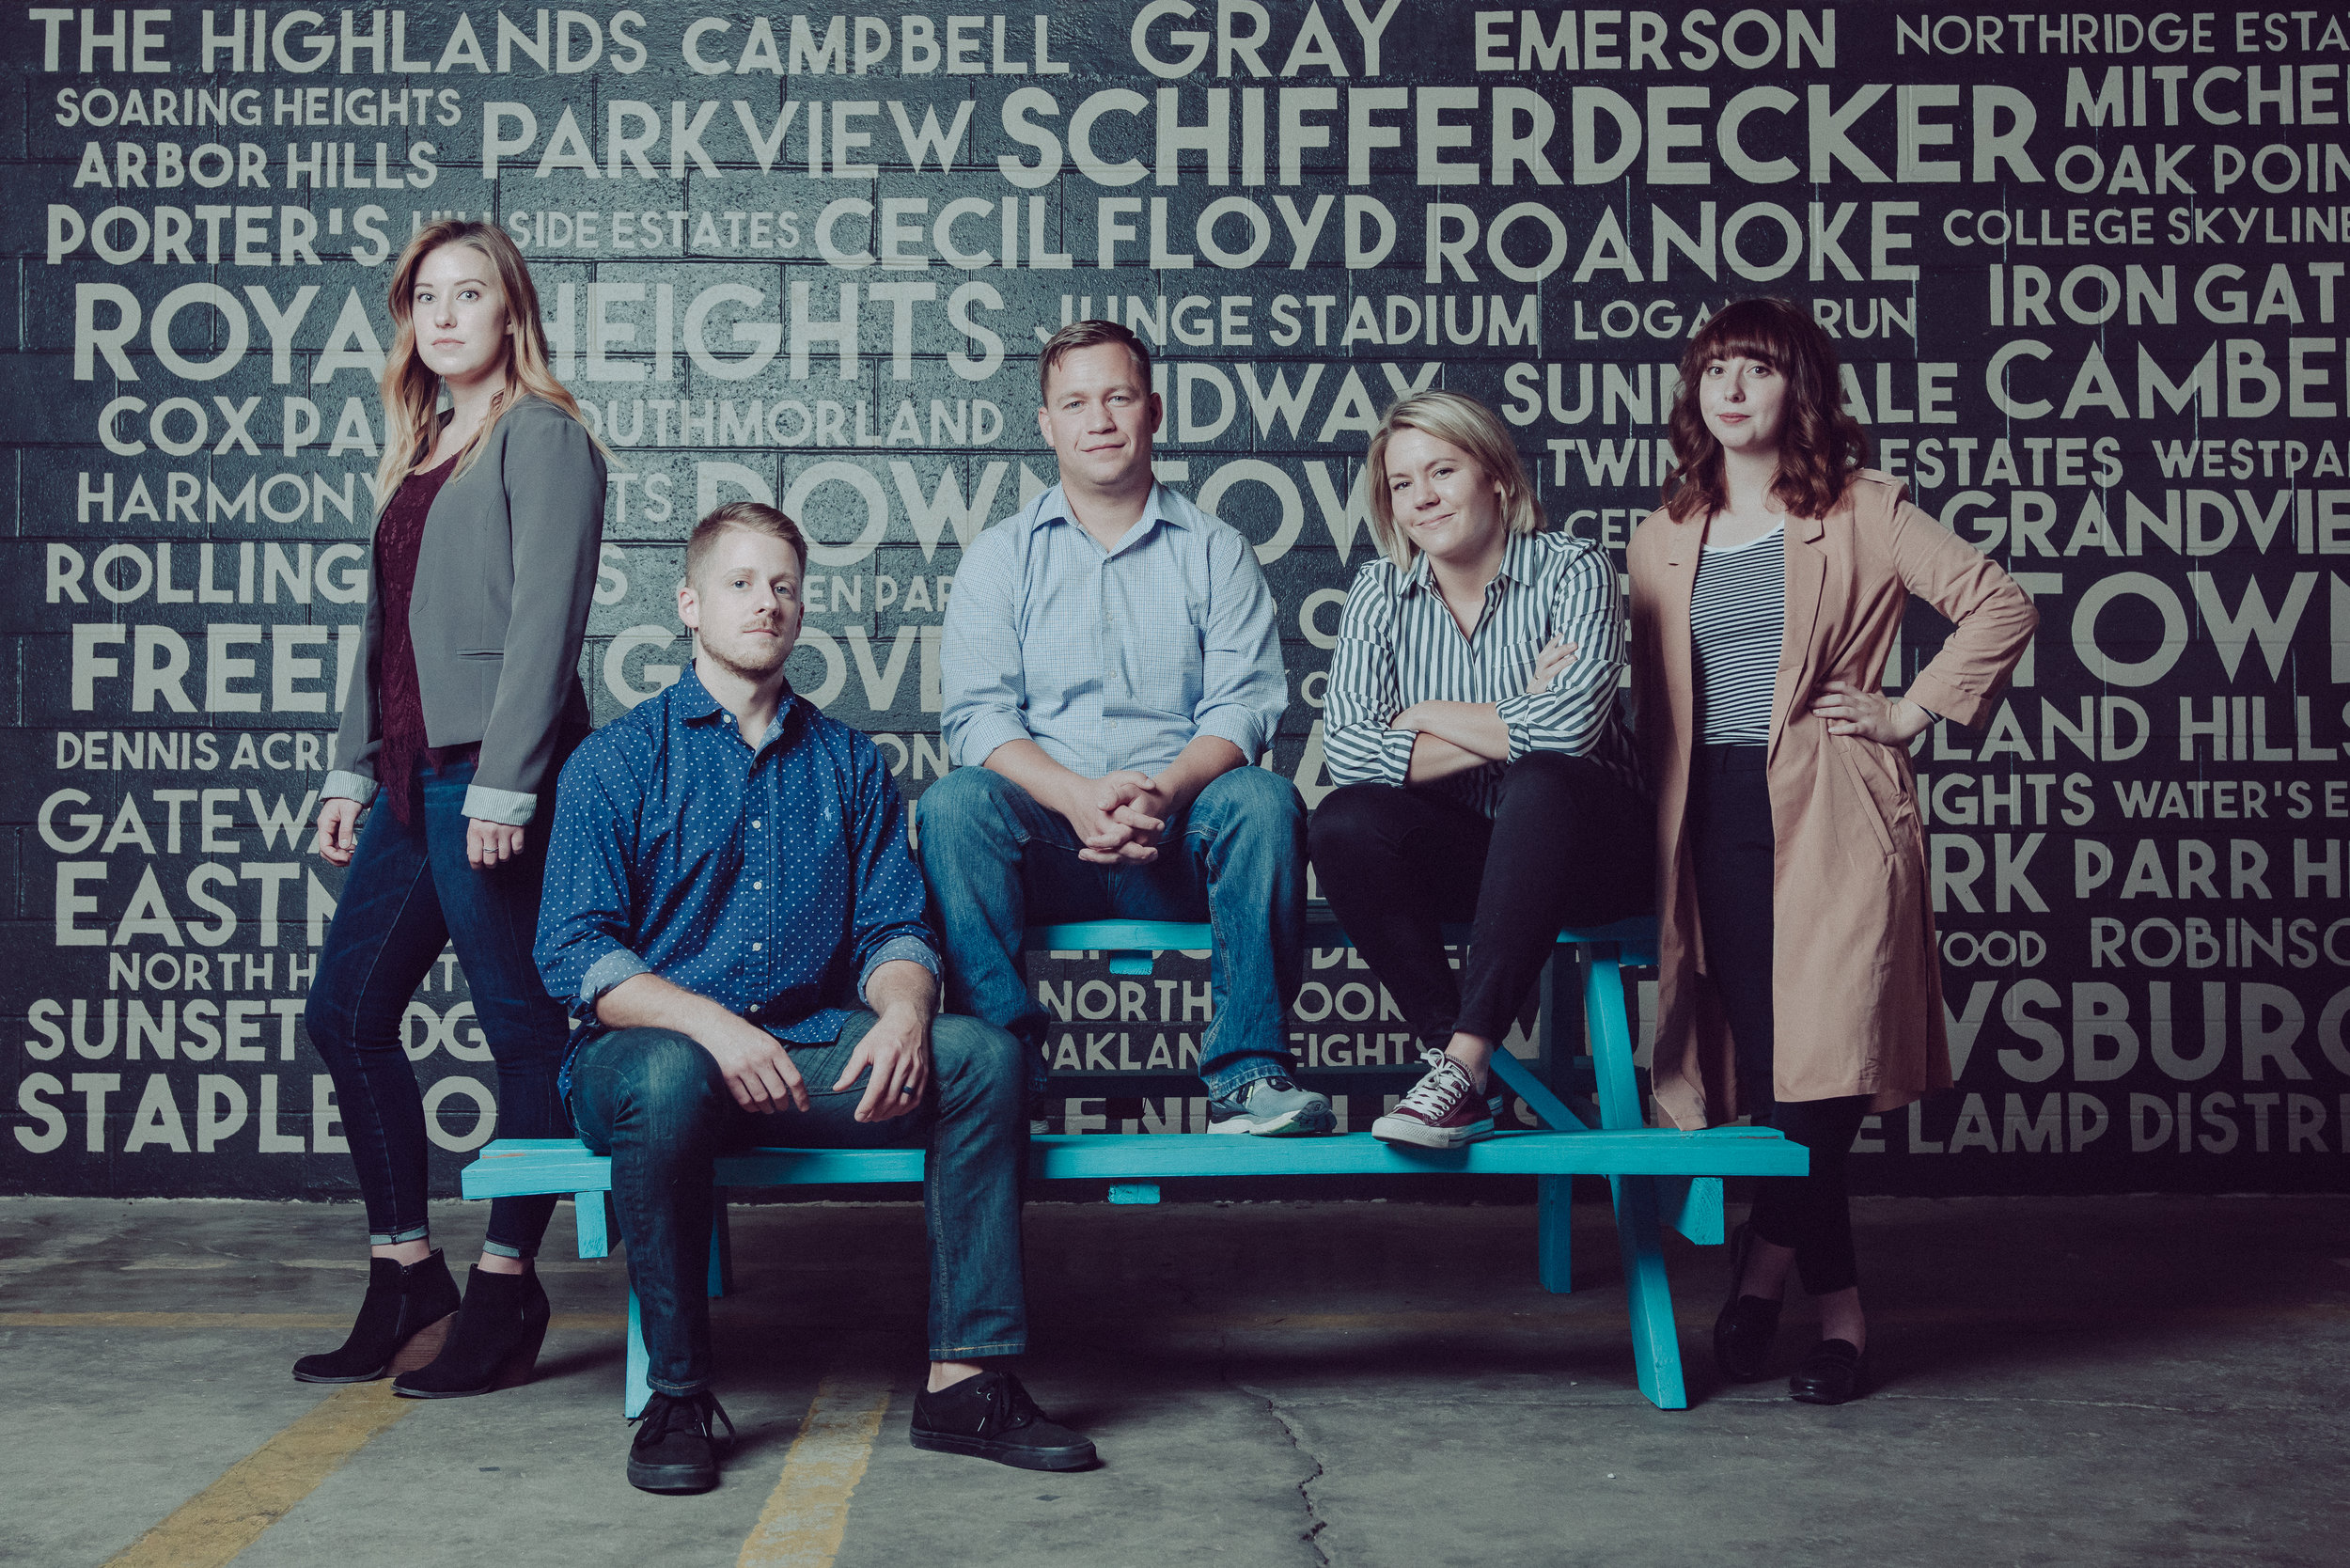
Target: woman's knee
1350 818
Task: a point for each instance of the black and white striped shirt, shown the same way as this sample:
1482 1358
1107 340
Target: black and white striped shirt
1737 619
1398 644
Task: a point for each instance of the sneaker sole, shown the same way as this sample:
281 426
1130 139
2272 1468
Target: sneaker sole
1397 1129
1297 1123
1008 1453
671 1478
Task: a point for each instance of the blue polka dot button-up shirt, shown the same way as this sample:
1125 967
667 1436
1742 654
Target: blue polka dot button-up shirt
772 880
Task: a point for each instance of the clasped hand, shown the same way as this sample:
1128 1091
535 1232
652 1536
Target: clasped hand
1119 816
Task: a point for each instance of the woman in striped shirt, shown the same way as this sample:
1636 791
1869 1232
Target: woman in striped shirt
1472 722
1767 595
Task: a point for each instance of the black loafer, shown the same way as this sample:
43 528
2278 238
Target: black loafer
1747 1323
675 1449
991 1415
1830 1373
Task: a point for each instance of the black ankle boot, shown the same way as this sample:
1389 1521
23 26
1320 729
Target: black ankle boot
405 1310
494 1343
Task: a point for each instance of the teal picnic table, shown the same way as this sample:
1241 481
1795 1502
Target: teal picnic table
1656 1176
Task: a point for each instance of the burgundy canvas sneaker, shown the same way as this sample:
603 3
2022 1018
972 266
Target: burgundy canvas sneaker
1444 1110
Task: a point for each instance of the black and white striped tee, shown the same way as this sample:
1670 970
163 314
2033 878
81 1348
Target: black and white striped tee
1398 644
1737 619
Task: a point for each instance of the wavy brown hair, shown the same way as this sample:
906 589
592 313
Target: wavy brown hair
1819 442
412 390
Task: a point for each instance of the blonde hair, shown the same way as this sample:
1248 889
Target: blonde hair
412 390
1463 422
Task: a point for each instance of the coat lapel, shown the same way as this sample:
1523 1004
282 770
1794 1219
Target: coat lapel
1807 573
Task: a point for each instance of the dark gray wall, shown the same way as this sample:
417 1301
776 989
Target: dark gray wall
2085 271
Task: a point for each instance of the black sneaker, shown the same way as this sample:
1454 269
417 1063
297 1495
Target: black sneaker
993 1417
675 1450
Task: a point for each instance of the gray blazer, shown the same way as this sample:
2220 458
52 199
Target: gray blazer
496 667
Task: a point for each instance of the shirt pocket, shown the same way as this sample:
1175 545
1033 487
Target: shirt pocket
1166 657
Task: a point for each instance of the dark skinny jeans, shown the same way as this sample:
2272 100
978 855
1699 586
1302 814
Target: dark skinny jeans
1730 826
409 893
1568 844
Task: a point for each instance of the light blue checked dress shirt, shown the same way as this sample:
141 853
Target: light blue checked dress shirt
1110 659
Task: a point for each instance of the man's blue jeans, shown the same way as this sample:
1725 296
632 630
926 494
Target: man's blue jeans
657 1104
998 860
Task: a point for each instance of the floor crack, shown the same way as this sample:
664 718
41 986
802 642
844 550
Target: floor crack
1315 1522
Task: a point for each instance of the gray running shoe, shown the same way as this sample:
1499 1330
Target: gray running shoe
1272 1108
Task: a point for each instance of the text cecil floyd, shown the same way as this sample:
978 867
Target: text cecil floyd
2084 270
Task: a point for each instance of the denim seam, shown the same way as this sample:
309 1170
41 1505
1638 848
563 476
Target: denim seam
423 872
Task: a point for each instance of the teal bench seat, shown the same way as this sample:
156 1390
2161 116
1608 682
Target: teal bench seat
1656 1176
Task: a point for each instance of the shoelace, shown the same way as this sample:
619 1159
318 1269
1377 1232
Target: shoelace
1440 1090
1007 1409
669 1411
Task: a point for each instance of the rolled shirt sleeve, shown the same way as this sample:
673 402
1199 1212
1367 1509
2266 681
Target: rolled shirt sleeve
586 914
1357 744
890 921
1571 713
1244 689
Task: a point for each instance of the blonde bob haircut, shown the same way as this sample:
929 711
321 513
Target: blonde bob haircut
1461 421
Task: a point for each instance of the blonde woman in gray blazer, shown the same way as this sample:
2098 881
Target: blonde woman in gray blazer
467 699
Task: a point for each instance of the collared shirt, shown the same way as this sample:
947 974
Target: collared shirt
1113 658
774 879
1398 645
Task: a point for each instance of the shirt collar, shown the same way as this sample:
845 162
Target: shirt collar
1521 562
1161 506
692 702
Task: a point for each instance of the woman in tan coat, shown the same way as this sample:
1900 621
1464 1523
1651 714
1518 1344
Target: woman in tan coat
1768 593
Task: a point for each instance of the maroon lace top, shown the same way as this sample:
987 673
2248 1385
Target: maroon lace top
399 538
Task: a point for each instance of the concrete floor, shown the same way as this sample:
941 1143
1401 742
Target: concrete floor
2124 1381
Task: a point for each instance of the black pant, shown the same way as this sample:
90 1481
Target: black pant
1730 825
1568 845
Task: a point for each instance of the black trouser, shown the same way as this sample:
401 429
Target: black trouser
1730 826
1569 844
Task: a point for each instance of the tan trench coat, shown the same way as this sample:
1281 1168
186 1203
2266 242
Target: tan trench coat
1855 985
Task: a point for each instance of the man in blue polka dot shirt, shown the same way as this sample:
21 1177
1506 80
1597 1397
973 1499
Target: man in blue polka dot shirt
732 913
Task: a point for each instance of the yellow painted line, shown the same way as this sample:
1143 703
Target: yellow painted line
227 1516
807 1514
597 1321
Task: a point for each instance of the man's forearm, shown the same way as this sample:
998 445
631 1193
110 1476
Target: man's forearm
1031 766
1200 764
648 1002
902 984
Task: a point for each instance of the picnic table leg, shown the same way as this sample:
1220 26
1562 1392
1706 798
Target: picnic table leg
637 1392
1656 1342
589 1221
1553 1205
1655 1339
721 1249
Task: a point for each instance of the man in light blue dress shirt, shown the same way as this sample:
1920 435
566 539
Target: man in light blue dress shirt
1111 671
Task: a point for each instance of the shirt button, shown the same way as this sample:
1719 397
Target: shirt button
755 822
755 946
758 886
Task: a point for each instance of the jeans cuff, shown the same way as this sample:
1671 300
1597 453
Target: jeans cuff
1242 1072
394 1238
677 1390
976 1353
499 1249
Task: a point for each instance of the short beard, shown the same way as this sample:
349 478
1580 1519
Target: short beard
741 668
